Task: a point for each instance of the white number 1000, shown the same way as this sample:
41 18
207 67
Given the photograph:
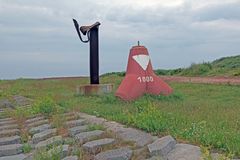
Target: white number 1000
145 79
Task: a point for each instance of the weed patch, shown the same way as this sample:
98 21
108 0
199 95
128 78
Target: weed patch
26 148
93 127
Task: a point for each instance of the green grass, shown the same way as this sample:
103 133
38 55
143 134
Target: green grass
226 66
27 148
201 114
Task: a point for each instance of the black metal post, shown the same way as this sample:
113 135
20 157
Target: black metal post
92 35
94 60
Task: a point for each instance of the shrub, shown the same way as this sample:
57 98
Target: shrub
27 148
53 154
24 136
19 113
58 120
45 105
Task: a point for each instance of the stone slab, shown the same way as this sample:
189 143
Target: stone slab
44 135
51 141
116 154
71 158
139 137
10 140
76 130
127 134
185 152
8 127
1 111
69 114
37 123
14 157
75 123
40 128
21 100
94 147
87 136
5 119
9 132
35 119
5 103
162 146
155 158
11 149
3 123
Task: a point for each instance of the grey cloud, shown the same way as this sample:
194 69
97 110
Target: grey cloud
40 40
229 11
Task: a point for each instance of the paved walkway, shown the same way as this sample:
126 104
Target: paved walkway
86 139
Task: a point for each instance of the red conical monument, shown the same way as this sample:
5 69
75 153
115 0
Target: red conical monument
140 77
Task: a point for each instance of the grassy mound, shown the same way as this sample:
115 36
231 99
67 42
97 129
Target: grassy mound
226 66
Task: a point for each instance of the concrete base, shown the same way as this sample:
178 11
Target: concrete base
94 89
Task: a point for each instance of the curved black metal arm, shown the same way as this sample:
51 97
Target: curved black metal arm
78 32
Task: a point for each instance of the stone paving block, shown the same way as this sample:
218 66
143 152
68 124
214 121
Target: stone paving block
5 103
71 158
1 111
139 137
9 132
71 117
35 119
116 154
5 119
14 157
75 130
37 123
162 146
11 149
10 140
3 123
44 135
127 134
215 156
69 114
75 123
62 150
21 100
186 152
95 147
40 128
51 141
155 158
10 126
87 136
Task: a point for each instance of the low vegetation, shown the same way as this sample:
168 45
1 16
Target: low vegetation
26 148
227 66
201 114
53 154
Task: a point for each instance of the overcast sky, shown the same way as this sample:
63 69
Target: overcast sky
38 39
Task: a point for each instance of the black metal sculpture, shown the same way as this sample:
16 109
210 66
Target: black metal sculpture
92 36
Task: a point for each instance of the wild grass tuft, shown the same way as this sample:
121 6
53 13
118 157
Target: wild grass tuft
26 148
